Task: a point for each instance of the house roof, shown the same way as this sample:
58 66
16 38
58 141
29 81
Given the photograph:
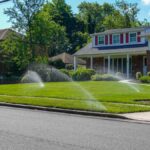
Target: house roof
89 50
67 59
4 33
121 30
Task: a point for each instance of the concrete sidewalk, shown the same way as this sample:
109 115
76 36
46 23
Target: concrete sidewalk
141 116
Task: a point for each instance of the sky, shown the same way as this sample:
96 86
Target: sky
144 6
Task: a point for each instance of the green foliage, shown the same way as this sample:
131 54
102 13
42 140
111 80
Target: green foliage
16 54
22 15
50 37
129 11
103 77
65 71
138 75
145 79
91 15
41 60
82 74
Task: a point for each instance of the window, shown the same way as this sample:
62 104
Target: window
116 39
101 40
132 37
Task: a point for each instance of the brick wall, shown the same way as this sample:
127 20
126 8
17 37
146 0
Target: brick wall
137 64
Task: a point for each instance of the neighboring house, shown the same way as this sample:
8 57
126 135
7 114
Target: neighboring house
67 59
118 50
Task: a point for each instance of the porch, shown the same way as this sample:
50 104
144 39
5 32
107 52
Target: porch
127 64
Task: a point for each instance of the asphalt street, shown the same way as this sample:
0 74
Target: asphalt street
22 129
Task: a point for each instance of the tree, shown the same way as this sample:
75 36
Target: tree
61 13
79 40
15 54
21 16
49 37
90 14
129 11
113 21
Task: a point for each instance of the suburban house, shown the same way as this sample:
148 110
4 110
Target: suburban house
118 50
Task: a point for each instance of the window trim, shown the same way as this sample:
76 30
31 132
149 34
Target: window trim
103 38
130 37
113 39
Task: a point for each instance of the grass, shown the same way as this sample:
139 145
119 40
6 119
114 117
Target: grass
116 97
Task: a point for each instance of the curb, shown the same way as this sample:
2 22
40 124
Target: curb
68 111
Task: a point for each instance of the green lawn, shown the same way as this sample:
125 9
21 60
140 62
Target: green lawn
97 96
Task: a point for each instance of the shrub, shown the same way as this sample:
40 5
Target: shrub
148 74
82 74
46 73
103 77
65 71
138 75
145 79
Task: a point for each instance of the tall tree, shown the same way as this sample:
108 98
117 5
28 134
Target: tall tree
60 12
21 16
50 37
90 14
129 11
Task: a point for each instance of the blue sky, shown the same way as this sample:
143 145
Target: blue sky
144 6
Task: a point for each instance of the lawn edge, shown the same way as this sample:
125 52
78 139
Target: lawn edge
62 110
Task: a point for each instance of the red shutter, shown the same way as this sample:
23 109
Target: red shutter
106 39
138 37
127 37
121 38
110 38
96 40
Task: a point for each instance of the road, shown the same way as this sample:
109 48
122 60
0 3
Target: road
22 129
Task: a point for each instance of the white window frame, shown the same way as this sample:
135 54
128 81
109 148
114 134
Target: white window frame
113 39
135 37
103 37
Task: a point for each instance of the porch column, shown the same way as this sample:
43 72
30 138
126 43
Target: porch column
108 63
91 62
128 61
75 63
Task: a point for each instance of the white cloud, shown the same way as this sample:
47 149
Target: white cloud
146 2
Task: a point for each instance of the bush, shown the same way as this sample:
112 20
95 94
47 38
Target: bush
46 73
103 77
145 79
138 75
148 74
65 71
82 74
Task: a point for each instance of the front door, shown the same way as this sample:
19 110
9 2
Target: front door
144 65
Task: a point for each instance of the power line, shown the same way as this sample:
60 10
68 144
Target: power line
3 1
